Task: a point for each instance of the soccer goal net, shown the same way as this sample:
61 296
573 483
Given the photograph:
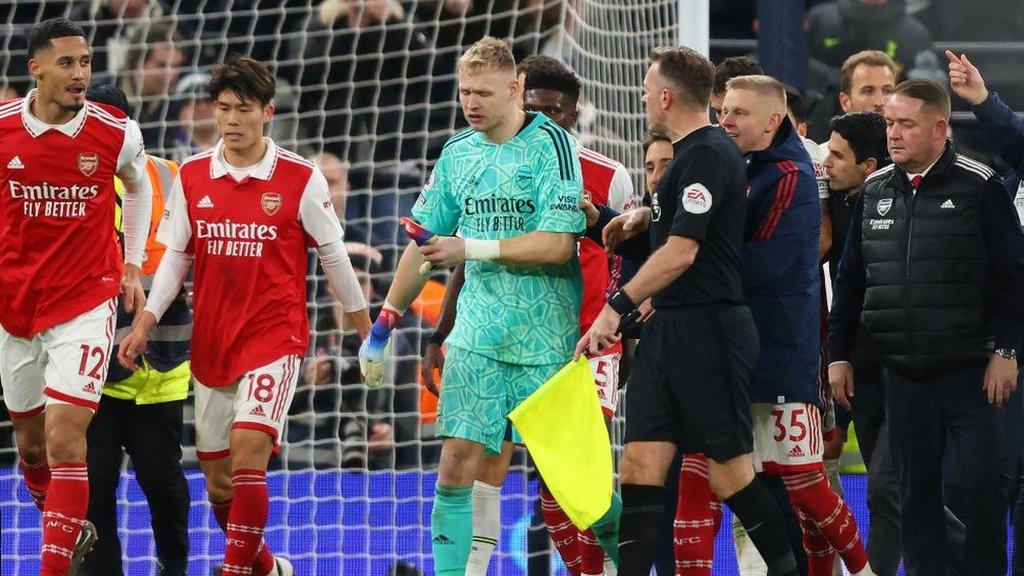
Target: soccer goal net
366 88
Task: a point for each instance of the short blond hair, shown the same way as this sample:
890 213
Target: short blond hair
764 86
488 52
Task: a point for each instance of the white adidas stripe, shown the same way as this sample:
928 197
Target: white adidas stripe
288 155
121 127
598 158
971 169
970 160
881 171
195 157
14 104
967 162
99 111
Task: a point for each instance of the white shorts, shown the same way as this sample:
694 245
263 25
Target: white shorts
65 364
787 437
259 400
606 377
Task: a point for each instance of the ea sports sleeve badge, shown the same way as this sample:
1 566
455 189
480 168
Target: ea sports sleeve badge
696 198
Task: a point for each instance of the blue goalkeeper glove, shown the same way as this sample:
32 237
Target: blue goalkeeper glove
375 352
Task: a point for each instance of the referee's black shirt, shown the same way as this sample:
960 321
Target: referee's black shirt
703 196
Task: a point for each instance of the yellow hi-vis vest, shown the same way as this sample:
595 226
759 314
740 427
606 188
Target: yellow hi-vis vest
148 385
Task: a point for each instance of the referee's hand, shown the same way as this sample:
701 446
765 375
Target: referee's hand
603 333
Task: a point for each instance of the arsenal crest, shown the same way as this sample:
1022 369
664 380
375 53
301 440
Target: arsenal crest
271 202
883 206
88 162
523 177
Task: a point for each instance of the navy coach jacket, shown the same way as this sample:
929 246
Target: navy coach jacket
780 269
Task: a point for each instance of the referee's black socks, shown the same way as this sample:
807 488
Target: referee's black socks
759 514
643 511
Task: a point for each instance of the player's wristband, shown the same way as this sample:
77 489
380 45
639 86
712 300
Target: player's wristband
482 249
386 321
621 303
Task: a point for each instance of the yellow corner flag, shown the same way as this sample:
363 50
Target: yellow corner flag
563 427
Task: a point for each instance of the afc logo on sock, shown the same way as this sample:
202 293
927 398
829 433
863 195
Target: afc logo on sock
62 525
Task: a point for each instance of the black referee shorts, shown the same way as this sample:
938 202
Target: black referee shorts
690 379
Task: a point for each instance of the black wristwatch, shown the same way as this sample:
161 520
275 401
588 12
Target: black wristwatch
1006 353
621 303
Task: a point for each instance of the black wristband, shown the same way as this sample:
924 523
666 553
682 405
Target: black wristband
436 338
621 303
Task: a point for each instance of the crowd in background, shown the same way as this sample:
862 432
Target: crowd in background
366 89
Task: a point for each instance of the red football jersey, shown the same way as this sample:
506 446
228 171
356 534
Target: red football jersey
248 231
606 182
59 255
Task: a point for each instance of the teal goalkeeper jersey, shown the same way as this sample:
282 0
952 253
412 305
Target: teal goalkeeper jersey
488 191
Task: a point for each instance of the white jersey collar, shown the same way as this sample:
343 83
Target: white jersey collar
263 170
37 127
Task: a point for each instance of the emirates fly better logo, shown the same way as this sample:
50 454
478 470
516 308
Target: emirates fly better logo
271 202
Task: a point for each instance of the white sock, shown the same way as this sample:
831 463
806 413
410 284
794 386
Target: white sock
747 557
486 527
609 568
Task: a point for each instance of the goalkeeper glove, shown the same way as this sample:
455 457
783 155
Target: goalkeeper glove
375 352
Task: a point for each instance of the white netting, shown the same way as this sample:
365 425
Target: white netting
373 84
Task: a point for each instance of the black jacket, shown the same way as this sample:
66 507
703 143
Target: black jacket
932 279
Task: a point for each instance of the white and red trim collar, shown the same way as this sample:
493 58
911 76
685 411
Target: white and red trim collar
263 170
37 127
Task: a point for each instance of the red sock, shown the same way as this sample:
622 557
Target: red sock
591 553
821 557
220 512
37 480
246 522
698 516
63 515
264 559
264 562
563 532
811 494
